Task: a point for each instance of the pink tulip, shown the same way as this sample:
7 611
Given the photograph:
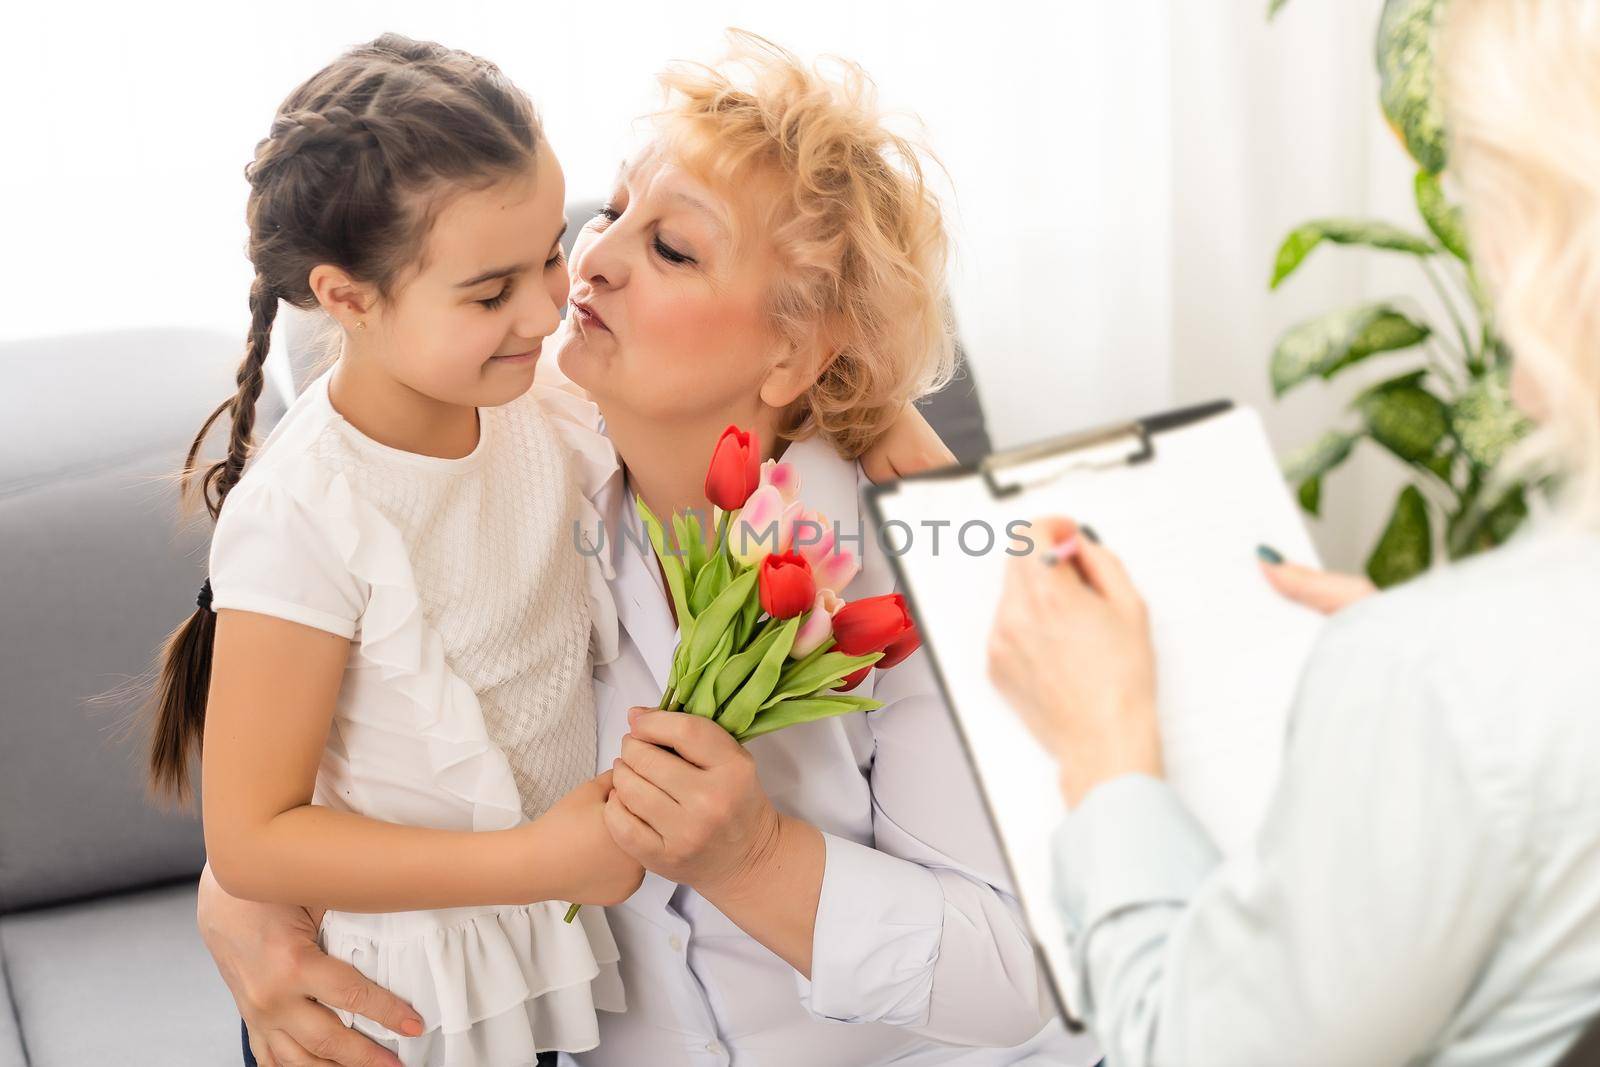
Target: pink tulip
817 627
783 477
813 539
763 526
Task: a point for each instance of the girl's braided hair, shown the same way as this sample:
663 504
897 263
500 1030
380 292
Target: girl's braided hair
360 160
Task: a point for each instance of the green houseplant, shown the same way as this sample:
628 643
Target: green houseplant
1446 413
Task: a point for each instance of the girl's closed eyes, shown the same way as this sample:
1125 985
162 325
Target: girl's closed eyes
557 259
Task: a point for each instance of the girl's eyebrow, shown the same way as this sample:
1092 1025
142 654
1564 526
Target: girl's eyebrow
506 272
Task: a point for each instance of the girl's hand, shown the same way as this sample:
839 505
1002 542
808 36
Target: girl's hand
909 446
688 804
285 986
1070 649
574 832
1324 591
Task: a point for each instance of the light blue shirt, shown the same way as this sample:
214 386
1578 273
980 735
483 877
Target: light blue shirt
1426 888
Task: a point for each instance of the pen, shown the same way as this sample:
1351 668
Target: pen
1062 551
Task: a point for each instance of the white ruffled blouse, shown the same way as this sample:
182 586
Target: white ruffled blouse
330 529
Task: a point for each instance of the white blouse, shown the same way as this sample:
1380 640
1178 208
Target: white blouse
1426 889
920 955
467 702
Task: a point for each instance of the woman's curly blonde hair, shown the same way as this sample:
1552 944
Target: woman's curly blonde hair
844 203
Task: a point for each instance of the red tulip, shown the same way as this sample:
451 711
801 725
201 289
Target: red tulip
851 680
785 584
735 469
899 649
871 625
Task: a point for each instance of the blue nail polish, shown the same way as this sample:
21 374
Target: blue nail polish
1269 554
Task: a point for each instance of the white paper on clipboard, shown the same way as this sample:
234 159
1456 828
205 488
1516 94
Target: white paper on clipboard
1185 517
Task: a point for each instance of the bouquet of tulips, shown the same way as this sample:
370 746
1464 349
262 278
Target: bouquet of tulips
765 639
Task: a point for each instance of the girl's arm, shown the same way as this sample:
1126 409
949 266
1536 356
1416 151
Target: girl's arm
274 685
909 446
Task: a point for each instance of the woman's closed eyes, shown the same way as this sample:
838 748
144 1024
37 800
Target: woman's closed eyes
662 249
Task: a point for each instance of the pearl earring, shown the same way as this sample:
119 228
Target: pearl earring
361 325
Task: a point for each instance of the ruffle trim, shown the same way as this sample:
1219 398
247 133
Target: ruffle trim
576 422
395 636
493 985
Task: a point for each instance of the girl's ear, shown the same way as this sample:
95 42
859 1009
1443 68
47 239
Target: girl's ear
340 295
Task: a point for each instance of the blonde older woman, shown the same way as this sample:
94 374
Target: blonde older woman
829 894
1427 886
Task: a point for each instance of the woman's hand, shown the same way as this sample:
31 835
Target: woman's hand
1070 649
909 446
1324 591
688 804
268 956
574 834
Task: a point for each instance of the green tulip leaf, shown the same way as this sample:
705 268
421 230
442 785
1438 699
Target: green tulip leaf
1406 548
714 578
740 712
806 709
824 672
703 701
1329 343
1406 70
1444 219
710 623
697 540
1484 420
1300 242
745 622
1405 418
671 565
691 561
741 664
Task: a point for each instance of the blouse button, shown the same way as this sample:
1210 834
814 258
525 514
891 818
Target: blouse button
676 942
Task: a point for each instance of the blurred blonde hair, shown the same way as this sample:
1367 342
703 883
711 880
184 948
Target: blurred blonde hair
843 202
1521 83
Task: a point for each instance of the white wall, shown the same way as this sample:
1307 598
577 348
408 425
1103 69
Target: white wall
1120 172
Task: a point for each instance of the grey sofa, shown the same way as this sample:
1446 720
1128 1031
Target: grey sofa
100 961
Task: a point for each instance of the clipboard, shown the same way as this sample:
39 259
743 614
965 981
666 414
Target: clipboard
1184 497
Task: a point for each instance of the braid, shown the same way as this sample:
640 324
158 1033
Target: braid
346 176
221 477
299 132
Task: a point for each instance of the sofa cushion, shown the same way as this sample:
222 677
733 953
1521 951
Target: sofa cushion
11 1054
96 572
124 980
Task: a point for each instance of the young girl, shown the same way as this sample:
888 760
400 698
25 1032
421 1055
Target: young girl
391 660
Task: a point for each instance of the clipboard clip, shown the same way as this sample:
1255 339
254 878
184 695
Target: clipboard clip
1009 473
1119 445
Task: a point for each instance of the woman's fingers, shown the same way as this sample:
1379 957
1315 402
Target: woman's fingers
666 770
696 740
339 985
631 833
1324 591
642 796
285 1051
1103 569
